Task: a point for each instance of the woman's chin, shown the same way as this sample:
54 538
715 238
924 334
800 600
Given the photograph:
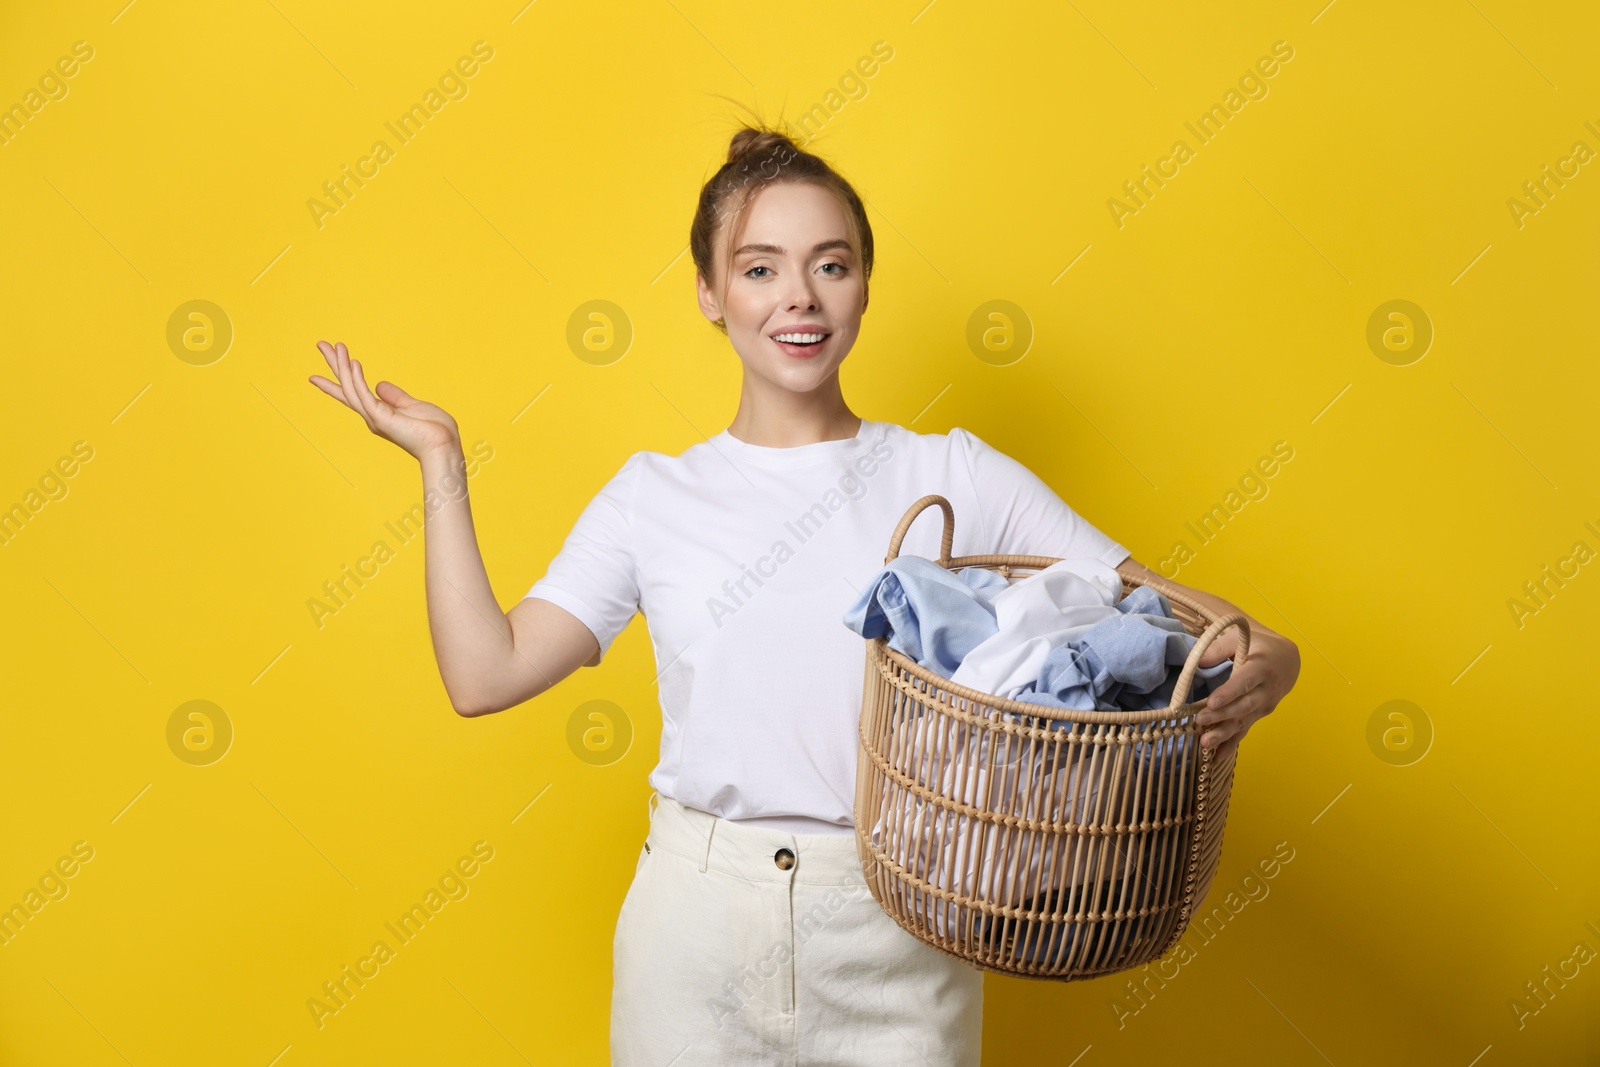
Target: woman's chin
799 378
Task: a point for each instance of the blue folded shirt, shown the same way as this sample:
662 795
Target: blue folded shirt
933 616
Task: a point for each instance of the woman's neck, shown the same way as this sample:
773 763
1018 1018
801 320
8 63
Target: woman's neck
776 418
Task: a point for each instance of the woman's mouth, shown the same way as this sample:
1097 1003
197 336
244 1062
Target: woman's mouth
800 343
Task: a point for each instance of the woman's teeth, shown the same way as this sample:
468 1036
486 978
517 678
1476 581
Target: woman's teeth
799 338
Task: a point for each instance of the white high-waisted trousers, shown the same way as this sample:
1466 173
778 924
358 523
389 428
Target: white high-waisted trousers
740 944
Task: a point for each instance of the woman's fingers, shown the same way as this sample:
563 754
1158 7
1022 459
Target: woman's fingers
1218 722
348 385
1227 691
389 411
327 357
343 387
401 401
1240 681
341 367
397 397
331 388
364 398
340 378
1223 731
1233 721
336 386
377 410
1222 648
1220 730
1240 714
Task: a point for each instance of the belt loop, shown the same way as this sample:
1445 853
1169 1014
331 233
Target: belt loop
655 799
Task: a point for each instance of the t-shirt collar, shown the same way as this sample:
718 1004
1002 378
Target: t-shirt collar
797 455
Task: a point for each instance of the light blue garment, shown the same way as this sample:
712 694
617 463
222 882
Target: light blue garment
933 616
1125 662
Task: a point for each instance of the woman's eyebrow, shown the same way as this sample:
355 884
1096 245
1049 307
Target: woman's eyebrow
837 242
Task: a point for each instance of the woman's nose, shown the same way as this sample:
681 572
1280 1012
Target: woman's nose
803 298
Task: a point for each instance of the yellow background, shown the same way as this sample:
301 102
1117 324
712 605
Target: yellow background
1229 313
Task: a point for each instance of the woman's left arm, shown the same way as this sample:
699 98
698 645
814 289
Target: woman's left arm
1252 690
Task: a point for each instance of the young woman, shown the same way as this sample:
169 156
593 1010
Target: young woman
748 934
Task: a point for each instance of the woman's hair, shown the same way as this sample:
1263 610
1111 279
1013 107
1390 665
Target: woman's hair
759 157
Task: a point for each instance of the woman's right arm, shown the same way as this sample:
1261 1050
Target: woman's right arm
489 659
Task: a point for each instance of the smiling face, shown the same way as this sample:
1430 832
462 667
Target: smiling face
795 275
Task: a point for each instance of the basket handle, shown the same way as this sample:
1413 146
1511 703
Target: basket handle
1180 693
917 509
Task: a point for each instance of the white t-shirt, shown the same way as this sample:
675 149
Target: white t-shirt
744 558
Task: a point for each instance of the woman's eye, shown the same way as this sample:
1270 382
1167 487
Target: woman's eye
842 268
753 270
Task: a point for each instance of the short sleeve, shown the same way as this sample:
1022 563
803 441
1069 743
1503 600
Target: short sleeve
1022 515
595 575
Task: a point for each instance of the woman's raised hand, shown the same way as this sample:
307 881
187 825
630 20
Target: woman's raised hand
393 414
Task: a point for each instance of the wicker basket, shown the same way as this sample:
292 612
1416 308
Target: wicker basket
1027 839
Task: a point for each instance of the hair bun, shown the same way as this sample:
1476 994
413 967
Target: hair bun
755 141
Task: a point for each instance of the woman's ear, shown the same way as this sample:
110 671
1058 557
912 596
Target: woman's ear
708 299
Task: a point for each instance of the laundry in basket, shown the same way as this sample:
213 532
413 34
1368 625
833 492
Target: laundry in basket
1064 637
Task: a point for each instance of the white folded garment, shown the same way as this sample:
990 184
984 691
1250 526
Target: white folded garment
1036 615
